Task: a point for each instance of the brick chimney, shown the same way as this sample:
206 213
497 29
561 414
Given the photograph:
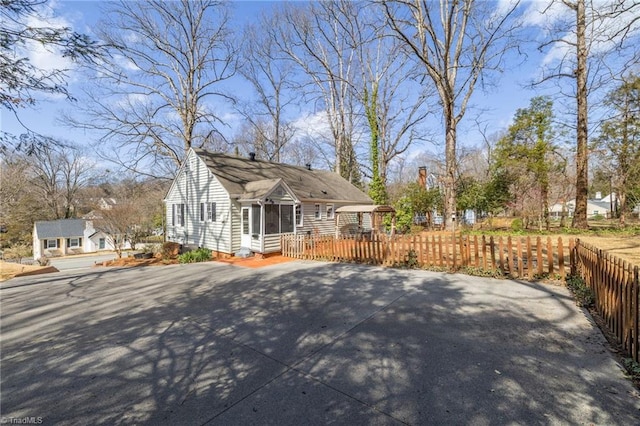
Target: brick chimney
422 177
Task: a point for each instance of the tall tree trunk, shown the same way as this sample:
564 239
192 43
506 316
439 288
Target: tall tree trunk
450 171
582 159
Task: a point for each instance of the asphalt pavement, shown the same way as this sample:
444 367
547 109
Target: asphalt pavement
79 262
302 343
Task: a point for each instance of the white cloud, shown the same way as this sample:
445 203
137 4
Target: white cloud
46 58
312 125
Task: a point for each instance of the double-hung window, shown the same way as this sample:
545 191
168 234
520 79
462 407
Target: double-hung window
178 215
51 244
299 215
330 211
74 242
317 213
211 212
207 212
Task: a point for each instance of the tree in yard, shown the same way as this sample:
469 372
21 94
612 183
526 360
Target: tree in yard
271 78
527 153
137 212
119 224
591 46
57 172
158 93
393 104
620 140
312 38
26 26
20 206
454 42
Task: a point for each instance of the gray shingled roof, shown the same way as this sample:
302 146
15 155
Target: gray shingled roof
63 228
236 174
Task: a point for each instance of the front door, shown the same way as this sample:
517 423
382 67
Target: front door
245 238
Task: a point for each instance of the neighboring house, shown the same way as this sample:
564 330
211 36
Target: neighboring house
68 236
594 208
227 203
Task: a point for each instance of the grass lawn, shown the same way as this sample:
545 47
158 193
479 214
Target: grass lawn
623 243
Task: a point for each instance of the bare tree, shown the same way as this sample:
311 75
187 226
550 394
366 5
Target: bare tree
393 106
158 94
270 76
312 38
58 171
455 41
592 41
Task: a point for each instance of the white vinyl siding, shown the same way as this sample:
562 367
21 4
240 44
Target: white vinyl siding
271 243
235 226
321 226
202 188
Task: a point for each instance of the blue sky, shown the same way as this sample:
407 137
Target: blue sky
497 105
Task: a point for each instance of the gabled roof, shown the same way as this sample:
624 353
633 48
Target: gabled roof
259 189
62 228
240 176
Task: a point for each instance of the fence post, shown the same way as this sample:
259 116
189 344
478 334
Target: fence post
573 248
636 308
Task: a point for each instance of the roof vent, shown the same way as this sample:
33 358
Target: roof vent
252 156
308 166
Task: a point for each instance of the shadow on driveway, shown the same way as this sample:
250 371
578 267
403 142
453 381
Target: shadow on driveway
303 343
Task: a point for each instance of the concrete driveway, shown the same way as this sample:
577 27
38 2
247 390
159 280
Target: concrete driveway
81 261
302 343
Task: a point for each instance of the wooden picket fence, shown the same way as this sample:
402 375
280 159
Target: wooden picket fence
614 283
524 257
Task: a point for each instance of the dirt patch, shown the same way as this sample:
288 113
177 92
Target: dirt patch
132 261
257 261
9 270
249 262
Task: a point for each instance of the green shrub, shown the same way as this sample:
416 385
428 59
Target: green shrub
581 291
517 225
200 255
412 259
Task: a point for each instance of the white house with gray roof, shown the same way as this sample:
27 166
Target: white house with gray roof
68 236
228 203
595 208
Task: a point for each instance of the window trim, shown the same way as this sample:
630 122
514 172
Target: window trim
298 212
333 211
202 211
48 247
317 214
178 213
211 212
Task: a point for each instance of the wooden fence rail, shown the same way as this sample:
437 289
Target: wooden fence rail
515 257
614 283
